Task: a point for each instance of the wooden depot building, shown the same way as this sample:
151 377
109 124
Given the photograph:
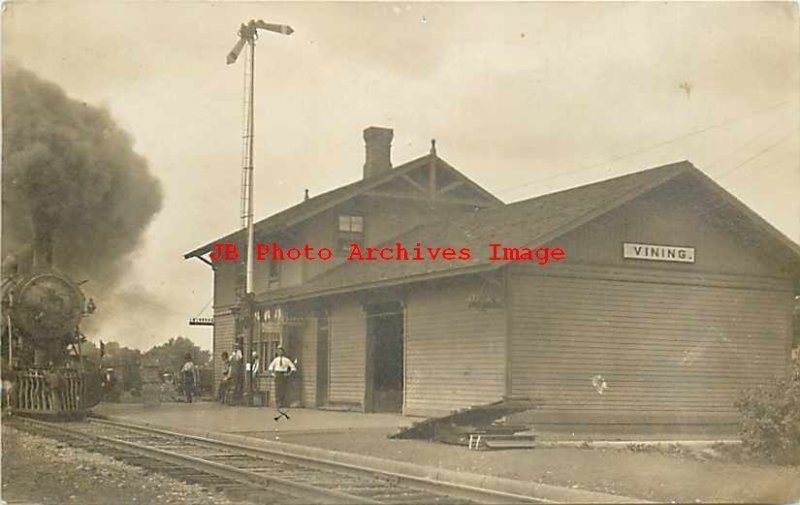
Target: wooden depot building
672 297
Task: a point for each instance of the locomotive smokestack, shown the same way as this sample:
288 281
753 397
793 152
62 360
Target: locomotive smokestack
42 249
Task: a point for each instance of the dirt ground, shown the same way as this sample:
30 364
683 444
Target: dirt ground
39 470
671 475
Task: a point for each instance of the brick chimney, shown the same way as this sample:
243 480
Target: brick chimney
378 143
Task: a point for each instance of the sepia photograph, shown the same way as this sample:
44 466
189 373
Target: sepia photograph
302 252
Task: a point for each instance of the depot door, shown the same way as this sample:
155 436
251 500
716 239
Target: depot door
323 359
384 391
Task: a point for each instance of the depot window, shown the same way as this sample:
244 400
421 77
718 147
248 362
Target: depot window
268 349
351 231
274 272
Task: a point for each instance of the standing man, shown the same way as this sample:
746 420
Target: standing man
253 369
281 368
254 365
189 377
237 373
222 391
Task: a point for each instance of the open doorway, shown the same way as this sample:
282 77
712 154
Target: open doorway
323 358
385 357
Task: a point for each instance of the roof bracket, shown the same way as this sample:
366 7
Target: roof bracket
204 260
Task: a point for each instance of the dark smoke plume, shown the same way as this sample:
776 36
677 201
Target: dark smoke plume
71 174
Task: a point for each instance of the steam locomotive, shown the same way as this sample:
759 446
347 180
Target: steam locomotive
44 373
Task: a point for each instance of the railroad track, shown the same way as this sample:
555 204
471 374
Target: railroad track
237 468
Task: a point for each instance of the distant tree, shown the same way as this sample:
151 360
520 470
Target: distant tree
90 350
116 352
113 352
170 355
125 362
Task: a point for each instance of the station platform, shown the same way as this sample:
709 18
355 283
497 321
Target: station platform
359 439
258 422
565 474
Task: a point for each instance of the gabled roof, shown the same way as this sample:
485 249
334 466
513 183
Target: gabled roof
532 222
320 203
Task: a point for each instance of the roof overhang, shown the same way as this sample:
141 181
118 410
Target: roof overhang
296 214
685 167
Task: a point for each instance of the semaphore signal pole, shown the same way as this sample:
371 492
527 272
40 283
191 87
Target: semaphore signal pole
248 34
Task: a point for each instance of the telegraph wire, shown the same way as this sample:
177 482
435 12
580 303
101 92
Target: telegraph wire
717 177
720 176
204 307
756 155
743 147
646 149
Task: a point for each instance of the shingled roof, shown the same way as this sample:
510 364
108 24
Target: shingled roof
531 222
313 206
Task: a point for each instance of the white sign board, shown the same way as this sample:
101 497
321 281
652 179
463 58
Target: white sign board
655 252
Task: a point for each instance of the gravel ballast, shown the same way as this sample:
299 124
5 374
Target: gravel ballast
40 470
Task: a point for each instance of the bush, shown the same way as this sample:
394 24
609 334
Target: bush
770 424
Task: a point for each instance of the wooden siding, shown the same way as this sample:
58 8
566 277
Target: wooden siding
320 231
291 272
224 334
664 350
348 350
308 365
678 213
224 284
386 218
455 355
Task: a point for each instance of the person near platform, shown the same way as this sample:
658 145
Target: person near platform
189 373
224 384
237 373
253 367
281 368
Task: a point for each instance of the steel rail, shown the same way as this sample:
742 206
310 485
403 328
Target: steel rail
297 489
454 490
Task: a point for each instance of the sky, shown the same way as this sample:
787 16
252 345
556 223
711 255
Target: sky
524 98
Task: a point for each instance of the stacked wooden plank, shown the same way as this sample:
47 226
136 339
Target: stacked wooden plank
477 427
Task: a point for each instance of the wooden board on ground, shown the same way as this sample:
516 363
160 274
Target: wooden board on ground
463 427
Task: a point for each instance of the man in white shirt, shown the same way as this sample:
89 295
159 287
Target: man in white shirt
237 353
281 368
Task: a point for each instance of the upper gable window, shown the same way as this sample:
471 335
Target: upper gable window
351 231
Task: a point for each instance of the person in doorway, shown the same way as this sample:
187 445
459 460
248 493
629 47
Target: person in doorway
281 369
189 373
224 384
